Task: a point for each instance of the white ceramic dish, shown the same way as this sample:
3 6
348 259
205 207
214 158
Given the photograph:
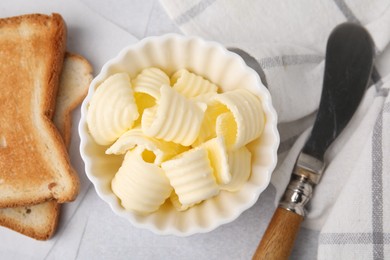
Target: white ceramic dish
214 62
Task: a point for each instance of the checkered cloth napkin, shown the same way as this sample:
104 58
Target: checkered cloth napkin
285 41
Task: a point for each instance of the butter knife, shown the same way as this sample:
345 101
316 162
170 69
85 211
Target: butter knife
348 65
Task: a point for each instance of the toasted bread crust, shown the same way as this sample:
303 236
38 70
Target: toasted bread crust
75 78
20 219
34 164
58 31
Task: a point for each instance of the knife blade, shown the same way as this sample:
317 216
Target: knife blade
348 65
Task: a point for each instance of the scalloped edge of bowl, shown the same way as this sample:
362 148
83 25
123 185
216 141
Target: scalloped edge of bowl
112 200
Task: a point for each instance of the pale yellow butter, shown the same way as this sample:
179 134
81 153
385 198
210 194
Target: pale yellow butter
174 118
191 176
185 142
140 186
112 109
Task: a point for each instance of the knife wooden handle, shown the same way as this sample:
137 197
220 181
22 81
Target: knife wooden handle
280 235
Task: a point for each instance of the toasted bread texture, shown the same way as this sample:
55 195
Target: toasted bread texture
40 221
75 79
37 221
34 164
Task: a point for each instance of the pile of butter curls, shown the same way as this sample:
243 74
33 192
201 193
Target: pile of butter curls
181 139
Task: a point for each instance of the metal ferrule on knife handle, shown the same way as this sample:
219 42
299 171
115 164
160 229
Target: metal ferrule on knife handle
306 174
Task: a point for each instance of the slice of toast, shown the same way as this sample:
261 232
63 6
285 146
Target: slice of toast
40 221
34 164
37 221
75 79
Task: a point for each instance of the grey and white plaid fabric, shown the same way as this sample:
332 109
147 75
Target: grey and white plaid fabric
284 41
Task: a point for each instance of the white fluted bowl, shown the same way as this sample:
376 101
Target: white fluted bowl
228 70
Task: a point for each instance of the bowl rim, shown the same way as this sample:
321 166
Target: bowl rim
271 120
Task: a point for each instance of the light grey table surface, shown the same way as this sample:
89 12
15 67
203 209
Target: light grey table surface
93 231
